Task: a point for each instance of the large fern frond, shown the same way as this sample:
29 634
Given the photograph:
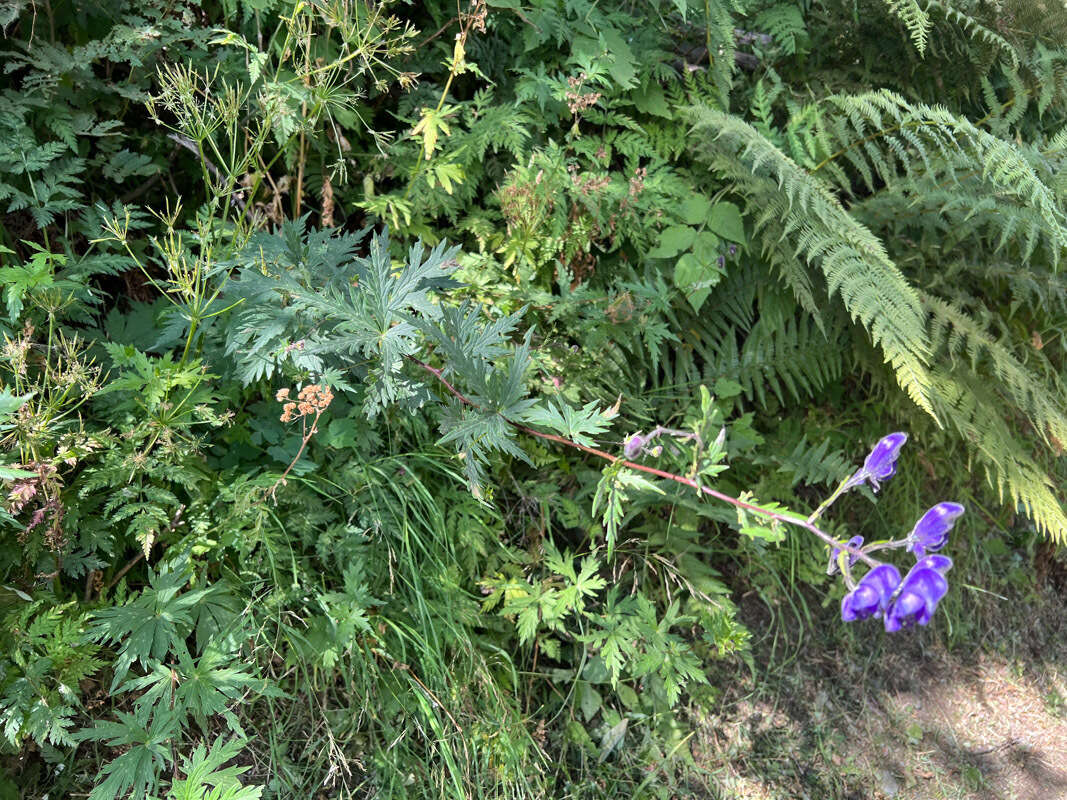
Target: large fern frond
796 207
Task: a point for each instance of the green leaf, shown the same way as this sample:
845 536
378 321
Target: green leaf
612 493
695 277
672 241
695 209
589 700
152 624
204 771
706 247
725 220
574 424
726 388
650 99
10 403
627 696
9 474
145 753
612 739
764 532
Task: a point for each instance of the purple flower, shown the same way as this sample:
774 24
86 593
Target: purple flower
631 448
732 250
881 464
931 531
919 594
871 596
721 261
855 541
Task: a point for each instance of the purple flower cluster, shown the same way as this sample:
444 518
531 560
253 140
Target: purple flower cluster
881 593
901 603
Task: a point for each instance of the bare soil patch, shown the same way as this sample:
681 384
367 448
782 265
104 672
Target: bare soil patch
866 716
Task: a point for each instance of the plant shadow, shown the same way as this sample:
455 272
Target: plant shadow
852 714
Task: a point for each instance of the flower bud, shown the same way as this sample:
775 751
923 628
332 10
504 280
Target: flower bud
631 448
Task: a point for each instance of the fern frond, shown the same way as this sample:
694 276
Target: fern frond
956 336
785 23
795 206
915 19
975 29
966 401
883 135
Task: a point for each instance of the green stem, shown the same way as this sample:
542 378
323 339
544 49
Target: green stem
440 104
188 341
843 487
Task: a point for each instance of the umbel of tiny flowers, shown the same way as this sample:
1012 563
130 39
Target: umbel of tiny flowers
835 553
872 595
931 531
881 464
919 593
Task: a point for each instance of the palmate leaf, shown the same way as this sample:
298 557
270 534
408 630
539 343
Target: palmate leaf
613 634
469 343
198 688
581 585
578 425
206 777
152 624
146 751
476 433
306 309
499 398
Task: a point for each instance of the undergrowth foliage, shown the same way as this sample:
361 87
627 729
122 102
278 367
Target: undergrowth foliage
400 400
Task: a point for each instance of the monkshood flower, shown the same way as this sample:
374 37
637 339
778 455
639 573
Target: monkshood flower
881 464
919 593
931 531
855 541
871 597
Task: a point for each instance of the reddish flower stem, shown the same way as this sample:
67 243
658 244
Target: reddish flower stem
799 522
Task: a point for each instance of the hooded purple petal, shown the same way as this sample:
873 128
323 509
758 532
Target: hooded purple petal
881 464
917 599
871 596
936 562
931 531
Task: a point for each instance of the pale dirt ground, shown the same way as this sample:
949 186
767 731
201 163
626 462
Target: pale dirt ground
905 719
983 731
